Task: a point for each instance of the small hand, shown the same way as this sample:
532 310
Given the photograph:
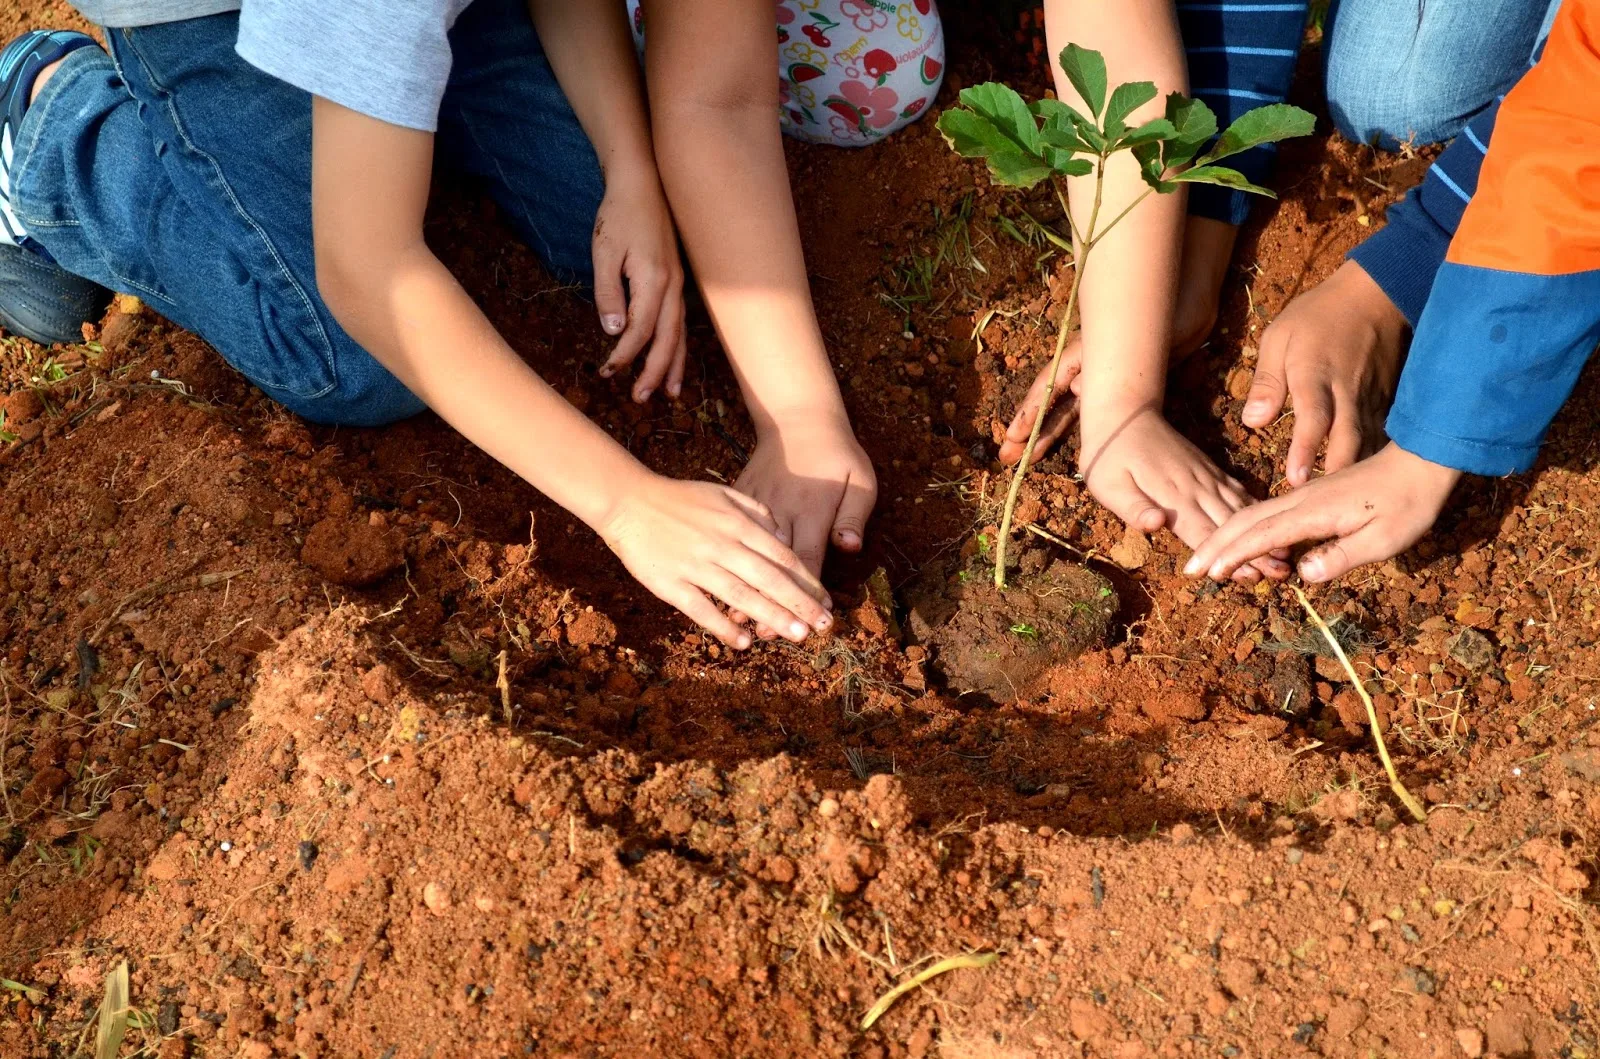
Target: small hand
1151 476
819 484
1207 248
1336 350
634 240
686 541
1373 511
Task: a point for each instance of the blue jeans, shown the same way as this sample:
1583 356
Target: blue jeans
174 170
1418 70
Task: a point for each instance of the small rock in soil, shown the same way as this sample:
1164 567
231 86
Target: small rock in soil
1472 649
591 629
1585 764
21 407
1420 980
352 551
1133 551
308 855
1471 1042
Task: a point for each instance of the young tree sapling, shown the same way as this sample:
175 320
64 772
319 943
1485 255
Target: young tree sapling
1025 144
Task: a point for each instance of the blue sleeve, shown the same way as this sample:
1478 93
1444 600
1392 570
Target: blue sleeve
1241 56
1404 255
1496 355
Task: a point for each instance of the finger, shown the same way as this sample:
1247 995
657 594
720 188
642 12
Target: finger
665 346
1344 439
1034 401
776 582
706 614
1270 386
789 561
758 512
610 301
811 542
644 307
1130 503
1313 416
680 359
1278 529
734 589
1338 557
855 508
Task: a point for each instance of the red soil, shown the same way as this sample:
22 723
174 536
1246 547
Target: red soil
499 801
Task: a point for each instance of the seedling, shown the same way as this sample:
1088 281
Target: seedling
1049 140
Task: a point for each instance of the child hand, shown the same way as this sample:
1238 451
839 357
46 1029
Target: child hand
1207 249
1336 350
686 541
634 239
1151 476
819 484
1373 510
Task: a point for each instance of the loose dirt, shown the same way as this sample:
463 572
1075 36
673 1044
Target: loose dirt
498 801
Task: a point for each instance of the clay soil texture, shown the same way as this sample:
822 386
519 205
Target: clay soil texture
348 744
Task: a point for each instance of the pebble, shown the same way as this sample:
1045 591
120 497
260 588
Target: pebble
828 807
1377 925
1294 856
1471 1042
436 897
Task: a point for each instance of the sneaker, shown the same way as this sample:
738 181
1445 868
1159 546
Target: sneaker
38 298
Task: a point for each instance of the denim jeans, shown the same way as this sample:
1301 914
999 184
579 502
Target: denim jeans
174 170
1418 70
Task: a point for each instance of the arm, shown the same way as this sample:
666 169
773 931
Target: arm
385 287
590 49
1133 461
721 160
1513 316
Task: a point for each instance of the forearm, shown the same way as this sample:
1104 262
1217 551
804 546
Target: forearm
591 51
413 316
724 175
721 161
1127 295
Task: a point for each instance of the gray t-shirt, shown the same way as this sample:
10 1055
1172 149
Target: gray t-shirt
390 61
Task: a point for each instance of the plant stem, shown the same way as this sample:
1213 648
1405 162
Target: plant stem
1080 262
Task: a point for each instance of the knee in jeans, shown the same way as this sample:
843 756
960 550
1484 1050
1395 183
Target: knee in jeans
1388 111
366 397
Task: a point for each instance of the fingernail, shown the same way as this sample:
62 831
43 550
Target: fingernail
798 630
1255 407
1311 570
742 643
850 539
675 391
823 622
644 395
612 323
1216 571
1302 474
827 601
606 371
1192 567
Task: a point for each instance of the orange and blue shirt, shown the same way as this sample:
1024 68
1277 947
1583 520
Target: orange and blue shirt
1513 312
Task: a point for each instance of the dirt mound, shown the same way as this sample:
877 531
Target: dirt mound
499 801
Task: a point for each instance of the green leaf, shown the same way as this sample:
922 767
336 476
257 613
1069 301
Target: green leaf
1151 167
1058 115
1066 165
1000 129
1195 124
1220 174
1152 131
1124 101
1062 140
974 136
1268 124
1087 71
1001 105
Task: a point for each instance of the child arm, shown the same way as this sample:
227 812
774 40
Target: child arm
1513 316
591 52
682 540
1133 461
721 160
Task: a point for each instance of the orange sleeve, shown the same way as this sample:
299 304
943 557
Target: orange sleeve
1537 206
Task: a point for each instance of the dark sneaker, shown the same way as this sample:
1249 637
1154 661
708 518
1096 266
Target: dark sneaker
38 298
